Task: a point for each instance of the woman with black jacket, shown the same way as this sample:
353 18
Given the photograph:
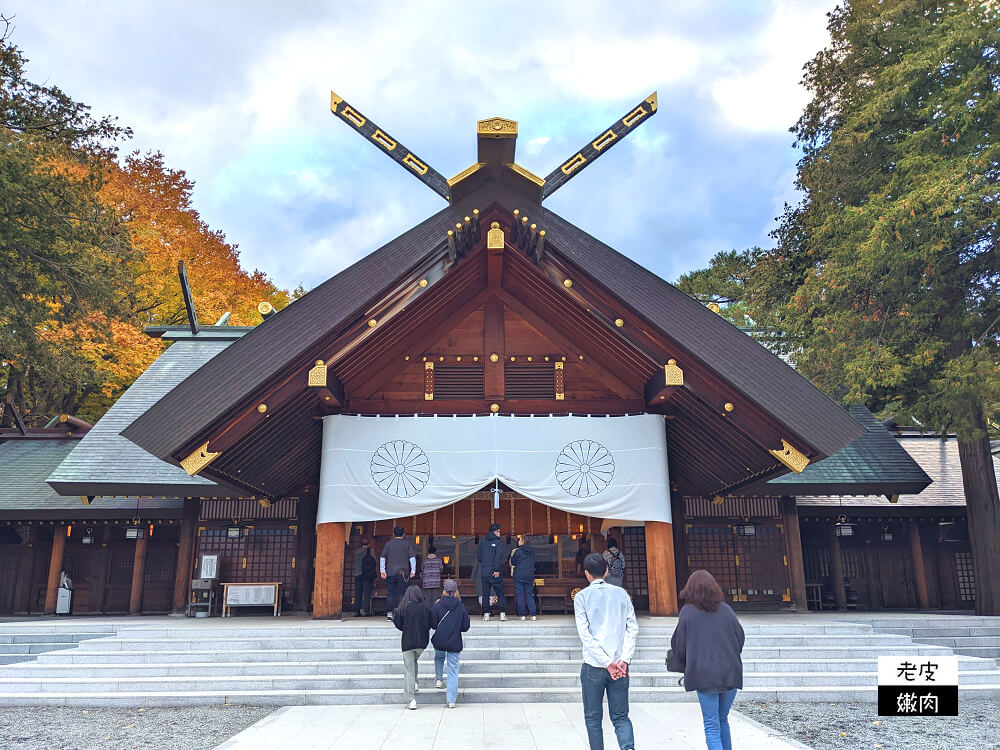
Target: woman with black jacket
450 619
522 562
413 617
708 641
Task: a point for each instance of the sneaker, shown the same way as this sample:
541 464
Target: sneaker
486 616
533 618
416 688
451 705
503 617
388 616
522 618
413 705
439 684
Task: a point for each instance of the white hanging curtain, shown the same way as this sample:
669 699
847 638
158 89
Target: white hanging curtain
376 468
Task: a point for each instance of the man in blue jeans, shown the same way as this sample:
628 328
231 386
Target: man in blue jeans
605 620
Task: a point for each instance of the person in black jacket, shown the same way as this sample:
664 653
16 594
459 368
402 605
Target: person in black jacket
450 619
413 617
523 563
492 556
708 640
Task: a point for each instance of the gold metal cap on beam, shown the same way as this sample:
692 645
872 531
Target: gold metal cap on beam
317 375
497 127
672 374
790 457
495 238
199 459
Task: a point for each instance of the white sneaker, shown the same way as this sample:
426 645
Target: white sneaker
439 684
451 705
486 616
413 705
416 688
533 618
503 617
522 618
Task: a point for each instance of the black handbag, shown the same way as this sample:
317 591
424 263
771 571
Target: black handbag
674 662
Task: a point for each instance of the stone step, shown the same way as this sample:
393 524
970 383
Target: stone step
15 658
34 648
982 652
471 638
499 679
391 666
967 642
63 637
821 694
945 632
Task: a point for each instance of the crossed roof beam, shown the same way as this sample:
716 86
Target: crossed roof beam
496 152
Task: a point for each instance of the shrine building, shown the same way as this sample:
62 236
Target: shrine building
495 363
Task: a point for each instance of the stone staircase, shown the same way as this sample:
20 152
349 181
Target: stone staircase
358 662
20 642
964 634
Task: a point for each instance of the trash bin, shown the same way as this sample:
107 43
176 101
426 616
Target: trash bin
64 601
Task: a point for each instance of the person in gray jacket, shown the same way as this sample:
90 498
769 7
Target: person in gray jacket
708 640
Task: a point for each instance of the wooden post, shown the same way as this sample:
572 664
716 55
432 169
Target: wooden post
681 571
138 575
55 568
328 591
660 571
304 551
837 570
793 544
185 553
919 571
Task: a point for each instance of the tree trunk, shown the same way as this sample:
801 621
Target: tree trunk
983 508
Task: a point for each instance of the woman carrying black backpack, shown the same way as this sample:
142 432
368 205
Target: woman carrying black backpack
616 565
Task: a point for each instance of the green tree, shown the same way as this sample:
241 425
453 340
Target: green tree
725 282
63 255
884 278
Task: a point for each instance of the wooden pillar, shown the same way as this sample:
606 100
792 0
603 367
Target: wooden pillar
946 577
328 591
185 553
919 571
305 549
793 545
55 568
138 574
681 571
662 579
837 570
873 571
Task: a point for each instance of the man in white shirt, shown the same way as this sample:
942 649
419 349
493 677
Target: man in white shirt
605 620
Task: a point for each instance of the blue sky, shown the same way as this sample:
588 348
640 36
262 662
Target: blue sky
237 95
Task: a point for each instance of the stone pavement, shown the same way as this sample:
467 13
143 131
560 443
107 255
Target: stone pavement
520 726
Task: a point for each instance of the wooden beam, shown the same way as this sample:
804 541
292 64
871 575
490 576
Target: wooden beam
661 576
494 342
520 406
138 574
188 297
382 370
55 568
793 545
185 554
592 363
328 591
919 569
304 551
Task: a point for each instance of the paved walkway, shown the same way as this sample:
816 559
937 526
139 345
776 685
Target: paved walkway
517 726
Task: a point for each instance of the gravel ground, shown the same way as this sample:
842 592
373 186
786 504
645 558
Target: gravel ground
857 726
194 728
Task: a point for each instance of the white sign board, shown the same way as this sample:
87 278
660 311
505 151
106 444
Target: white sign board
209 566
250 595
918 685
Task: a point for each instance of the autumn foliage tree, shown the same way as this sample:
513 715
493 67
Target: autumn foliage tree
88 253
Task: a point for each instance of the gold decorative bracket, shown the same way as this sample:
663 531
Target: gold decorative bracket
790 457
199 459
428 381
317 375
495 238
672 374
560 381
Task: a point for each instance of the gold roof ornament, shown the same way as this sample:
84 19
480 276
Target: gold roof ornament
790 457
672 374
495 238
199 459
317 375
497 127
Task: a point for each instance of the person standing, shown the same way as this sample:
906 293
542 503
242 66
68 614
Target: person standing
430 570
605 621
616 564
492 555
523 564
413 618
709 640
397 564
364 578
450 619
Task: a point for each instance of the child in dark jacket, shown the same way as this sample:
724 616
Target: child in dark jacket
450 619
413 617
